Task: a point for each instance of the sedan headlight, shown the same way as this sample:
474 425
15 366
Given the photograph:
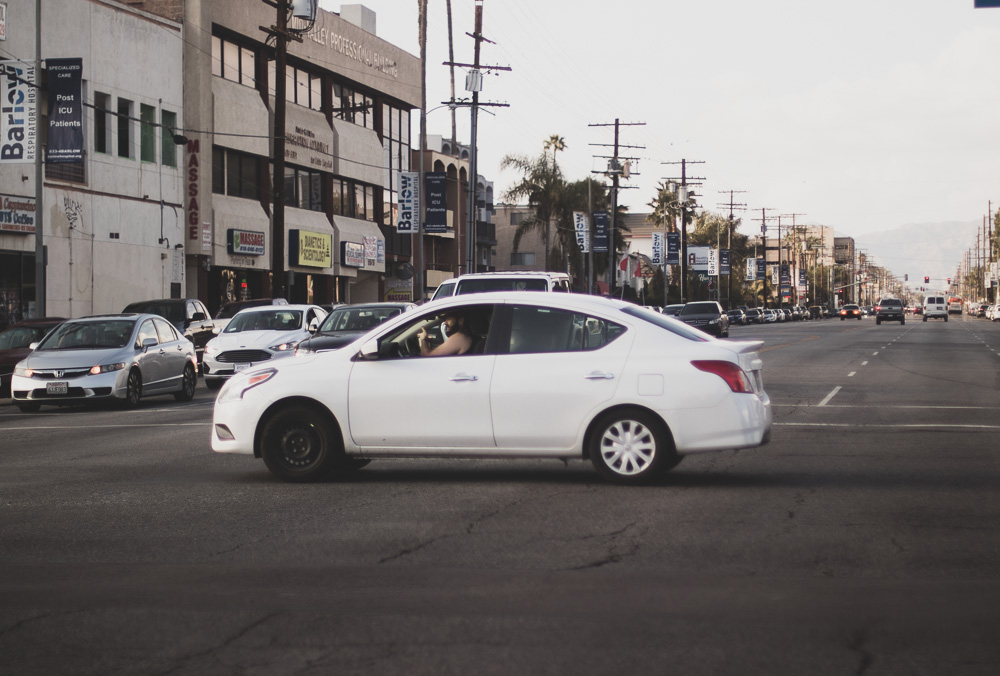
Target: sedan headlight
106 368
284 347
23 371
211 348
238 385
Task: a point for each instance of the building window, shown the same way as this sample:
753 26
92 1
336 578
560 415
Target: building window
125 140
523 258
303 188
102 123
517 218
353 106
233 62
147 133
395 155
168 149
235 174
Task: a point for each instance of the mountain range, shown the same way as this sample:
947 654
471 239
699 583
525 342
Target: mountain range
922 250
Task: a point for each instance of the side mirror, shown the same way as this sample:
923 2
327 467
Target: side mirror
32 346
148 343
314 326
369 351
198 317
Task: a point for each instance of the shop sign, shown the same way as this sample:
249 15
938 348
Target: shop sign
244 242
310 249
371 249
17 214
398 290
18 123
698 258
352 254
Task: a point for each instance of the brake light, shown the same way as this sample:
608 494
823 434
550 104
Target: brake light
734 376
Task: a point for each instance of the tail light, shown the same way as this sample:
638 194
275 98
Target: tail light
734 376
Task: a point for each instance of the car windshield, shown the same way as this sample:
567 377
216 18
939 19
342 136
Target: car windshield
700 309
20 336
891 302
664 322
89 335
508 284
266 320
356 319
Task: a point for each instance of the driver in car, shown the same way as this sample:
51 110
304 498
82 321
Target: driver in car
458 341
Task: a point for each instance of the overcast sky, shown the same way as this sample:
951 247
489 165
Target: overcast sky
862 115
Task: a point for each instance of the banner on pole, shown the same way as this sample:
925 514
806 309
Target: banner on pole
581 225
713 263
436 212
657 257
65 139
600 232
673 248
18 126
409 203
725 267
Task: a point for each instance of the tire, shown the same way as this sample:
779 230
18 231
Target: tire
902 321
213 384
189 381
29 408
925 318
946 318
133 389
878 321
299 444
841 319
631 447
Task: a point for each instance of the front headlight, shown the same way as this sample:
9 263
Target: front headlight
238 385
106 368
23 371
211 348
284 347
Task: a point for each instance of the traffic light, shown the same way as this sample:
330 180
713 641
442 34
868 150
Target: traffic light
906 278
949 281
927 280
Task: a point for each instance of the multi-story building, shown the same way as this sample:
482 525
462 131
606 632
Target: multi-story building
174 195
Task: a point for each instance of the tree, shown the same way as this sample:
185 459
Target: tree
540 186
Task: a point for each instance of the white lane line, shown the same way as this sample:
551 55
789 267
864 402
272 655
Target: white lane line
851 374
874 354
895 425
827 398
864 363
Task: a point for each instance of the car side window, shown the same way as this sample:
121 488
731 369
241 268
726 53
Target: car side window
147 330
404 341
164 331
539 329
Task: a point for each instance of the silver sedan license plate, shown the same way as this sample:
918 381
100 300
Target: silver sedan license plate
57 388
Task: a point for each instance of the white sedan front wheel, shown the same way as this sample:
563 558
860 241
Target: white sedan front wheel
629 447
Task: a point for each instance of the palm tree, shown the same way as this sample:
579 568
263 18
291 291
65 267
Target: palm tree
540 186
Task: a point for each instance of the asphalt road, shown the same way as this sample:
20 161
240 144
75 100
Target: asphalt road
863 540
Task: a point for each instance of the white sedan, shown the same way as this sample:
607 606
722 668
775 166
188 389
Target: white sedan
257 335
563 376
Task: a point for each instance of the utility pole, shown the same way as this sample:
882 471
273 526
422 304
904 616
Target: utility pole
686 204
474 84
764 218
280 36
616 169
729 242
793 275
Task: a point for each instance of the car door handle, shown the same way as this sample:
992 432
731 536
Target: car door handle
596 375
460 377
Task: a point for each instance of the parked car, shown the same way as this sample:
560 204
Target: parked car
770 316
228 310
15 345
737 317
188 315
755 315
850 312
560 376
121 357
347 323
479 282
255 335
706 315
672 310
816 312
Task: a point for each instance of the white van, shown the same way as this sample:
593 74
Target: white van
480 282
935 307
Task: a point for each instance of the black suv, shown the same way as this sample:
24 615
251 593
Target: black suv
890 310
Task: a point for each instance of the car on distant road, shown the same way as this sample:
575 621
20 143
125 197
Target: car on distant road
15 345
890 310
121 357
228 310
850 312
936 307
559 376
672 310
